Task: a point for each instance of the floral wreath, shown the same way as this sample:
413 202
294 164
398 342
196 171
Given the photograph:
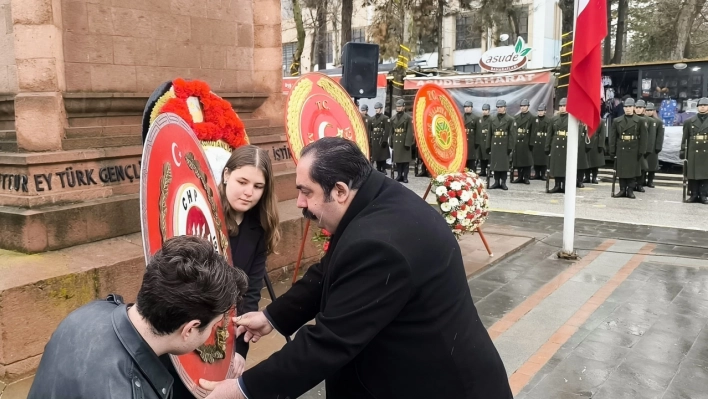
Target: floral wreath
220 127
322 237
463 201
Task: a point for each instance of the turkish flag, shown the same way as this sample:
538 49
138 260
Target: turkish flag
586 64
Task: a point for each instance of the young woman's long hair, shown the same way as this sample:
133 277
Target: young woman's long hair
267 206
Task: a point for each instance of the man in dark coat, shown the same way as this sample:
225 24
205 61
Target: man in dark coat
655 143
556 143
523 155
628 143
501 140
471 130
540 132
639 110
694 149
583 149
107 349
596 155
402 140
379 128
393 314
483 128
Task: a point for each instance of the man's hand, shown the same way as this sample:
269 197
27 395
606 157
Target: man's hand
238 364
227 389
254 324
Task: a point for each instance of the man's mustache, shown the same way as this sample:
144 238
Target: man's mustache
309 215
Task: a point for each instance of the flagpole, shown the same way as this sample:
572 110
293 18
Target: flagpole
571 172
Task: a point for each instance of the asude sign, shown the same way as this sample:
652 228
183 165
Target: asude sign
505 58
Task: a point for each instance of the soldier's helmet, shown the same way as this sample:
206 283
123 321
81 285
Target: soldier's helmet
703 101
378 106
563 102
486 107
501 103
629 102
640 104
650 107
525 102
541 107
468 104
364 107
400 103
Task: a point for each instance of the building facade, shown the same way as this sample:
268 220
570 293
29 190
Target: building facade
463 45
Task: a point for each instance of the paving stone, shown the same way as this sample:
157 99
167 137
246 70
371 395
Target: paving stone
577 375
691 381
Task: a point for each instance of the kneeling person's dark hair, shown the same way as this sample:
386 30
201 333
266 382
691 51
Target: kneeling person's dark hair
188 280
336 159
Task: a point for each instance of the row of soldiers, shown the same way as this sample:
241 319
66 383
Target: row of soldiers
526 141
395 133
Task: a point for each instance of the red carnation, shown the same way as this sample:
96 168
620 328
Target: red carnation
474 195
469 202
478 211
463 207
470 216
459 227
325 246
443 198
451 194
326 233
453 214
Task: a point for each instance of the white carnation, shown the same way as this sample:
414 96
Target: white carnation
465 196
450 220
440 178
440 191
461 215
466 222
446 207
454 202
455 185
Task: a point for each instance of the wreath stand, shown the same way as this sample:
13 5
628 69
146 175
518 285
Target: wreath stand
478 230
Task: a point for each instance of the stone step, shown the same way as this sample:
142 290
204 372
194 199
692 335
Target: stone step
8 135
102 131
264 131
37 292
101 142
8 146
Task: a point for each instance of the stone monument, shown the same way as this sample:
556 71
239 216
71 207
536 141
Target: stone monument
74 78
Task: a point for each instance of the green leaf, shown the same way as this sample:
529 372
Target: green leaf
525 51
519 45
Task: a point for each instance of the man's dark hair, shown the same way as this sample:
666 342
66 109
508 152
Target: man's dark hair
337 160
188 280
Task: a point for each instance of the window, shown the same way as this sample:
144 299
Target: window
288 56
468 68
466 36
359 35
329 48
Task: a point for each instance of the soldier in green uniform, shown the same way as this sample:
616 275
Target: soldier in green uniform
500 144
655 143
364 109
628 143
379 128
556 143
694 149
471 130
402 140
540 131
639 109
483 128
596 155
583 149
523 155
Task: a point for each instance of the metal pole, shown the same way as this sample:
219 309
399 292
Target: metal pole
571 173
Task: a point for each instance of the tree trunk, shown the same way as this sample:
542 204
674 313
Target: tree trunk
568 15
687 15
439 23
607 44
347 11
300 28
621 34
321 23
399 72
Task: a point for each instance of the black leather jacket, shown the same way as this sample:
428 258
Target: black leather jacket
96 353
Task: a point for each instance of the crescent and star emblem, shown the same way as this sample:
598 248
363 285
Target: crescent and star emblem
179 155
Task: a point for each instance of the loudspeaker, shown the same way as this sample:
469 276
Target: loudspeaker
360 68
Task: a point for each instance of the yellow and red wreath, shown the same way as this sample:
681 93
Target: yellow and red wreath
219 122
